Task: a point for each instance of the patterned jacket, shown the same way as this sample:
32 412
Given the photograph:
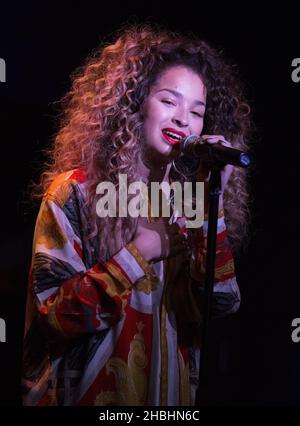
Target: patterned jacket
108 333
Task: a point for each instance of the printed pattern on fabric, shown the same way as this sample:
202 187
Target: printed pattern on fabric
107 333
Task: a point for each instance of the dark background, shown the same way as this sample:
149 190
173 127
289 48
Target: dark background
42 44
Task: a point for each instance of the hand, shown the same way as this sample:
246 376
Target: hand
159 240
226 170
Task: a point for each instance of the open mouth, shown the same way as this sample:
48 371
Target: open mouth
173 137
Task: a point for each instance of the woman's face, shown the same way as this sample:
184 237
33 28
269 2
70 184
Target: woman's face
173 110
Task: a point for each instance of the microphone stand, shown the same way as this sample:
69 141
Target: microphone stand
214 192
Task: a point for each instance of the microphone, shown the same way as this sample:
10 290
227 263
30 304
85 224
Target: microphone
193 146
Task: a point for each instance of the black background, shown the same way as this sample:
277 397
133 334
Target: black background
42 43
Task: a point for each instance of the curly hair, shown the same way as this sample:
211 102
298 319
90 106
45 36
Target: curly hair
101 125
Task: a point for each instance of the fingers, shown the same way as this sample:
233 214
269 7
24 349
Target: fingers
213 139
216 139
174 242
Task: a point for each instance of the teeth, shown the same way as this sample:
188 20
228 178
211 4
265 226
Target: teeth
173 135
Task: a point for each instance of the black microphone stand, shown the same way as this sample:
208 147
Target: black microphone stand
214 193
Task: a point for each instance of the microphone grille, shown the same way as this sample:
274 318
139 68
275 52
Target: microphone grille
186 141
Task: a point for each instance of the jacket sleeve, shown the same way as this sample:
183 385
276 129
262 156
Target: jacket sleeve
72 300
226 294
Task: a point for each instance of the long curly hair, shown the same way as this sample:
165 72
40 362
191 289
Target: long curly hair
101 122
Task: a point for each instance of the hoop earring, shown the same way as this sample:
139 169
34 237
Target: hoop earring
178 171
207 179
194 172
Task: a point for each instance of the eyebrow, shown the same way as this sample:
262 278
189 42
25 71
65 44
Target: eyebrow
179 95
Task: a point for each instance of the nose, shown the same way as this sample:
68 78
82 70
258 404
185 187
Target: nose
180 118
